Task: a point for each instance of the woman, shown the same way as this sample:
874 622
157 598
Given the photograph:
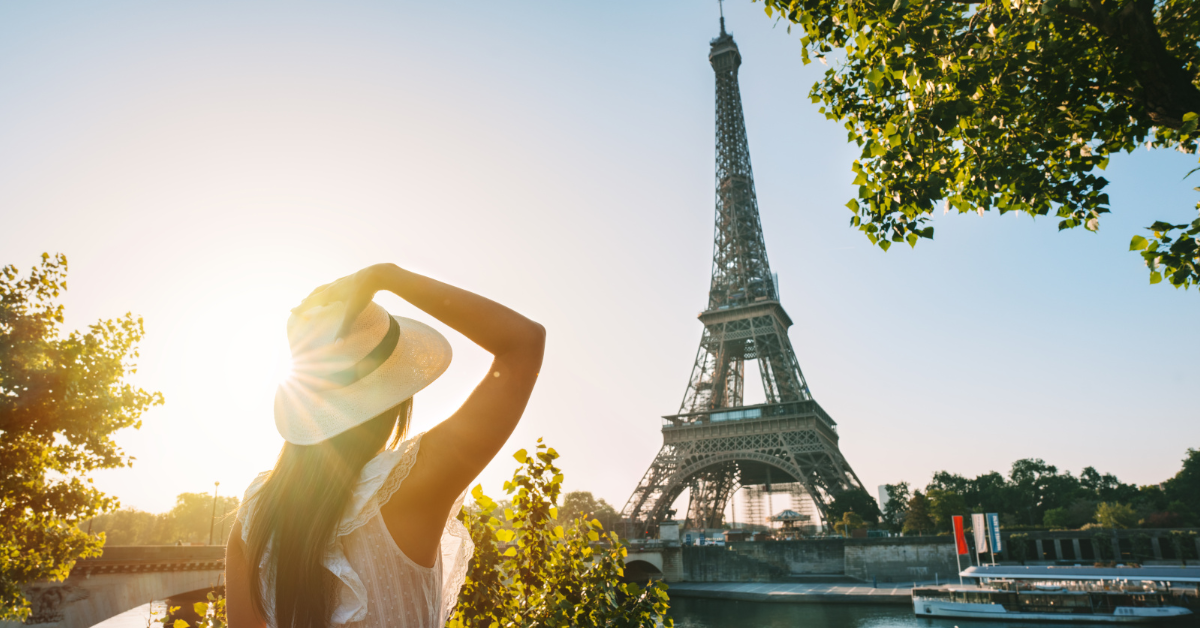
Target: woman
349 529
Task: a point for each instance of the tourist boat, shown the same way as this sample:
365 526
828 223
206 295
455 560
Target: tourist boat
1067 594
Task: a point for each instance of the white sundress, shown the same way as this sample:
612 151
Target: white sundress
379 586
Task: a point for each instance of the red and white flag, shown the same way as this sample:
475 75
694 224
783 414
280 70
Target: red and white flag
960 541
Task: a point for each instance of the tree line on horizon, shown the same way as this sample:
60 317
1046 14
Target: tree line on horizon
1036 495
187 523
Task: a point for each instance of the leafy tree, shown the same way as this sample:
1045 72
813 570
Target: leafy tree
943 505
61 399
1072 517
129 526
192 517
854 500
1106 487
897 505
1036 487
544 570
1115 515
918 520
850 522
1185 486
1153 497
1056 519
1164 519
577 503
188 522
1005 105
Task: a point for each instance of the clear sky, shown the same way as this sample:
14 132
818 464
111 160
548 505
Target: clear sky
205 165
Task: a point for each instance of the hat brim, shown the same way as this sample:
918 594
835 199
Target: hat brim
306 416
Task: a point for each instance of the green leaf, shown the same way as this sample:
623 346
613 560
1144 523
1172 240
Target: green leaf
1155 277
852 204
911 239
1138 243
521 456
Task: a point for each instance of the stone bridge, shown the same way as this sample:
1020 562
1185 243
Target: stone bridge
653 561
121 579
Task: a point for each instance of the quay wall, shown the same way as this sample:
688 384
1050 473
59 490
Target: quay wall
884 560
900 559
917 559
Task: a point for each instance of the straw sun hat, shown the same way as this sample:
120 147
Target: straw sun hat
333 387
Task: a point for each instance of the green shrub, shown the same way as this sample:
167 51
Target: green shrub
539 571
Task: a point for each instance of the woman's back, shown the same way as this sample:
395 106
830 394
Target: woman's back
339 502
400 593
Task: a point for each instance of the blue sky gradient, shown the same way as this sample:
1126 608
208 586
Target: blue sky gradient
206 165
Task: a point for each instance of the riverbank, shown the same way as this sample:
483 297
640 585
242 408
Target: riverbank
795 593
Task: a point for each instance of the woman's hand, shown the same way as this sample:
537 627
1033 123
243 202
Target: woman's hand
355 291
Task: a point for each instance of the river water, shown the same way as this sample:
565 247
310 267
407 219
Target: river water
700 613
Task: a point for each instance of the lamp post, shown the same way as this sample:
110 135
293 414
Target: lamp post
216 486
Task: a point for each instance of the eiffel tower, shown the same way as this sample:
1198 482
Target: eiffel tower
716 445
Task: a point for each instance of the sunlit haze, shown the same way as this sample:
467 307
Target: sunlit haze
206 165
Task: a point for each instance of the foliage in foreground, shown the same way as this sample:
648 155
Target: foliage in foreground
1009 105
534 570
211 614
61 399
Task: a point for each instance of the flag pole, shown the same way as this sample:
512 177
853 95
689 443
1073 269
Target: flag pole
958 561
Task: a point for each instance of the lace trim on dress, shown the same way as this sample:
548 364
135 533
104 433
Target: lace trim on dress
380 479
457 549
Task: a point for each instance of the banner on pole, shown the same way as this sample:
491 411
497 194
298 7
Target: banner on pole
960 541
993 520
979 527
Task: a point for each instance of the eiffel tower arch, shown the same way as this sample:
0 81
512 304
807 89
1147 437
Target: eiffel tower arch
715 445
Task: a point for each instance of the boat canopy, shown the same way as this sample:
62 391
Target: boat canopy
1153 574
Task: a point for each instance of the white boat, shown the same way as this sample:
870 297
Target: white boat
1062 605
1063 594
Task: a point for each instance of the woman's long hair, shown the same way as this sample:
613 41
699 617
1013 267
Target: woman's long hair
297 512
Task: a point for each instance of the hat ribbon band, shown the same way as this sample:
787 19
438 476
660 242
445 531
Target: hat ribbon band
372 361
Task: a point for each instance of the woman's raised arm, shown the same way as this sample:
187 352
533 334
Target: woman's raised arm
457 449
454 451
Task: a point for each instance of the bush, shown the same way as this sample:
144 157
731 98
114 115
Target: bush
543 572
1163 520
1114 515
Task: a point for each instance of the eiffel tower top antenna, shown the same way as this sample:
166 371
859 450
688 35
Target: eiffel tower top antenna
721 8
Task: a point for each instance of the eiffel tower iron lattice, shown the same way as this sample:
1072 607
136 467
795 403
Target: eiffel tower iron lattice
716 445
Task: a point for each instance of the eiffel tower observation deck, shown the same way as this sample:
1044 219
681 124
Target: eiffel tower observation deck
715 445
